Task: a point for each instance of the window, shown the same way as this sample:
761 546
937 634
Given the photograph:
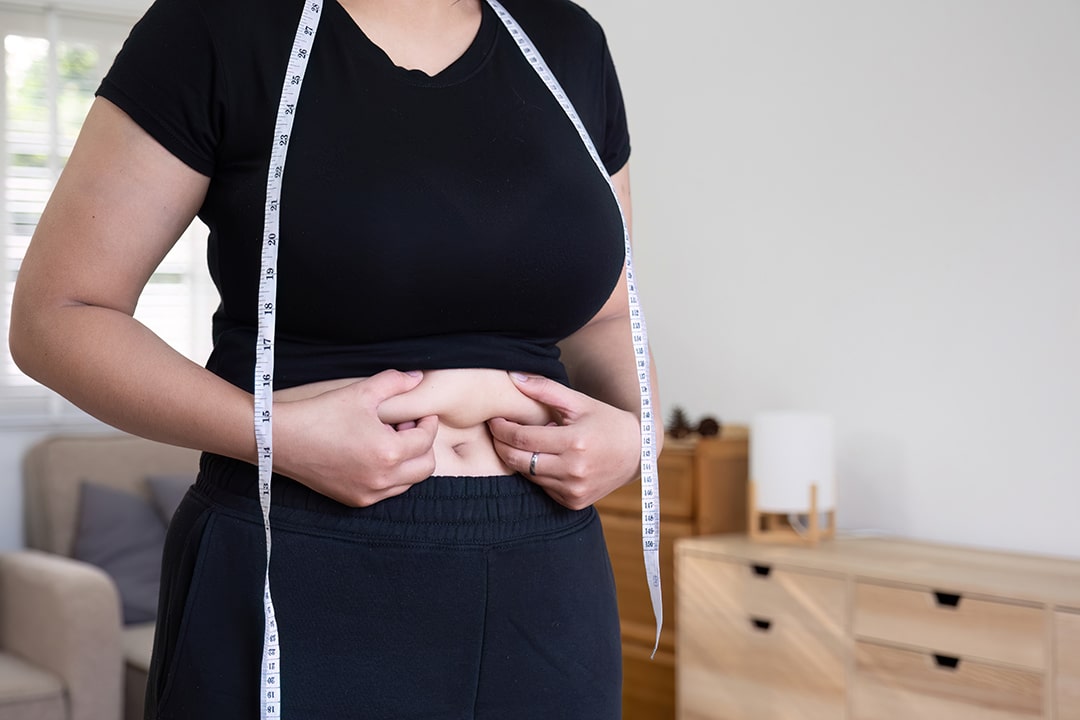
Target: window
52 62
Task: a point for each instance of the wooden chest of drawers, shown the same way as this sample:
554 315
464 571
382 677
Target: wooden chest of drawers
703 485
874 629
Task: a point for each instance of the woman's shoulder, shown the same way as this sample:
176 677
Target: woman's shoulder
560 21
565 10
229 20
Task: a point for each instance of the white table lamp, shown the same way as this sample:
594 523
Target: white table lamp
792 473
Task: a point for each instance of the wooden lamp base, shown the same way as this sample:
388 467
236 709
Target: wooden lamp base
775 527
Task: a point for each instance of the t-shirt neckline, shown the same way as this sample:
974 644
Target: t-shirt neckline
461 69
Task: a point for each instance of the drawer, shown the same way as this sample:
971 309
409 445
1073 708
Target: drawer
623 535
1067 665
648 684
675 470
952 624
893 683
733 662
771 593
737 669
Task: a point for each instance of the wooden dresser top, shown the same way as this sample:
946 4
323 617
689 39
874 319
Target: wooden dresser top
1032 578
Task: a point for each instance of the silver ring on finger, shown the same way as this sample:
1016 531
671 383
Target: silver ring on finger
532 464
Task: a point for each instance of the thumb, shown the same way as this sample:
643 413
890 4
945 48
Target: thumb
389 383
555 395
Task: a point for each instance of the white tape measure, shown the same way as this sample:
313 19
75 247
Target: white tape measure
650 492
264 351
271 690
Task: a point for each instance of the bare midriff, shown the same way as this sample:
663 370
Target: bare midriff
463 400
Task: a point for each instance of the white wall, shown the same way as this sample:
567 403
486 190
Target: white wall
871 209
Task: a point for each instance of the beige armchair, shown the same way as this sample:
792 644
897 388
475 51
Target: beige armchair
54 470
60 643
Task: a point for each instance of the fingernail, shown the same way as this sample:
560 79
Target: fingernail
519 377
413 373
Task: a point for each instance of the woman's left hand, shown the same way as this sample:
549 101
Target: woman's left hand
592 450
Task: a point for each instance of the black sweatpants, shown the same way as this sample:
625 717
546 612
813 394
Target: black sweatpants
463 599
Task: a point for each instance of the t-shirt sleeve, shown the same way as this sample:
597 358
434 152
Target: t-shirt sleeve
615 150
167 78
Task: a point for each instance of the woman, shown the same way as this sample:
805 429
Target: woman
444 235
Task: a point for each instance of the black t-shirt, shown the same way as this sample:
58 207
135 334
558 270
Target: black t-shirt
426 222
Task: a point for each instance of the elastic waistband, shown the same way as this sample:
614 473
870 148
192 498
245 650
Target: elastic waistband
458 510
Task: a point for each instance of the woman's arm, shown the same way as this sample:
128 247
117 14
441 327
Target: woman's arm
599 358
117 209
596 446
120 204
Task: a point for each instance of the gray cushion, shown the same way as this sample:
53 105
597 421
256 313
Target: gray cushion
168 491
123 535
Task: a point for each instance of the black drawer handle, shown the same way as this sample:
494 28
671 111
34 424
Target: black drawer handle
761 624
762 570
947 661
945 599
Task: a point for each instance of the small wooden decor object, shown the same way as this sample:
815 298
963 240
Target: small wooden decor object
775 526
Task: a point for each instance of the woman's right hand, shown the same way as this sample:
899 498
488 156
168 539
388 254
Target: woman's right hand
335 443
